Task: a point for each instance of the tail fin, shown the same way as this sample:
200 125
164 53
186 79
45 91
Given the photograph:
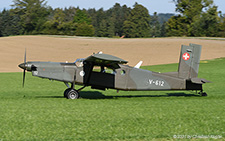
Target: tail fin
189 61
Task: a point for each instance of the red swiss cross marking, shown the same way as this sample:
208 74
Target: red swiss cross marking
186 56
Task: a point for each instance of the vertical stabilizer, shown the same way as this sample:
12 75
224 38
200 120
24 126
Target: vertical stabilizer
189 61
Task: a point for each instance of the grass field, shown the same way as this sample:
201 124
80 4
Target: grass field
40 112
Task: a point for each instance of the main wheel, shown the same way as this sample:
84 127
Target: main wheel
72 94
66 91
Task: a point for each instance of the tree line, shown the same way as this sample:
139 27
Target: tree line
197 18
32 17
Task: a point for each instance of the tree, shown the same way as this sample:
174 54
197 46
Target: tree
222 26
85 29
109 23
207 24
9 23
192 8
137 24
163 30
155 26
83 24
102 30
31 13
99 19
129 29
70 13
1 26
177 26
55 24
196 18
81 17
111 27
118 14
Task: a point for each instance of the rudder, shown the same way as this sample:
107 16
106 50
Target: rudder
189 61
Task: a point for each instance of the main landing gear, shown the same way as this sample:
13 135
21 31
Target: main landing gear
71 93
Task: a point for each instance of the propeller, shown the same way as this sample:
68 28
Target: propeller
24 67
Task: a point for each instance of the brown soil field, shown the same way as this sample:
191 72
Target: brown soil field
151 51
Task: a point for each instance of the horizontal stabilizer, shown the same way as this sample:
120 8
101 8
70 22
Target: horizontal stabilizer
199 80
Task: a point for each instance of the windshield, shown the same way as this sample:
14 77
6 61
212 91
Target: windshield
79 62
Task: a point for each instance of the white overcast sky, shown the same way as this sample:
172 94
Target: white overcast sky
159 6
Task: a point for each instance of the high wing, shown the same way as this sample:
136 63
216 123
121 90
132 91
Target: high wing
105 60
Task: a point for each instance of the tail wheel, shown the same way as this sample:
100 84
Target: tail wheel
71 94
204 94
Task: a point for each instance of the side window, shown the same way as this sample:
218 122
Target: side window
110 71
103 69
96 69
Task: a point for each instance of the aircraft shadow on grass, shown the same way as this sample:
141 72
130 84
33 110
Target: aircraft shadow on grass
99 95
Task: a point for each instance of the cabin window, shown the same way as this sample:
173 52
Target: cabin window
103 69
110 71
96 69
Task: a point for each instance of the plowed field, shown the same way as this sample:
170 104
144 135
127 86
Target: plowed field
62 49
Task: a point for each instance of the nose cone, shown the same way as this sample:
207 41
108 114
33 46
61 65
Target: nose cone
22 66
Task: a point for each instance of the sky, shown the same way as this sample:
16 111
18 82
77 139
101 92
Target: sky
159 6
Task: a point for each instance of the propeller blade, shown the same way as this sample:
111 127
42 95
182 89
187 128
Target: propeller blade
24 74
25 56
24 70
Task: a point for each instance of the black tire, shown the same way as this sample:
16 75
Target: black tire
204 94
66 91
72 94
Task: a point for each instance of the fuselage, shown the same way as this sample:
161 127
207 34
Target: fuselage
124 78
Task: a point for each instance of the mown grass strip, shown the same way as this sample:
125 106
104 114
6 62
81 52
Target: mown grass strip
40 112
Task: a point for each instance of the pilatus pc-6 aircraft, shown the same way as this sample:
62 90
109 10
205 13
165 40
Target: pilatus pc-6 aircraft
113 74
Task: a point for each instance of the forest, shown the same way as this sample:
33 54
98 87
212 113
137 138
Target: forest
195 18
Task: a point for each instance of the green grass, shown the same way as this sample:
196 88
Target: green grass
39 111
